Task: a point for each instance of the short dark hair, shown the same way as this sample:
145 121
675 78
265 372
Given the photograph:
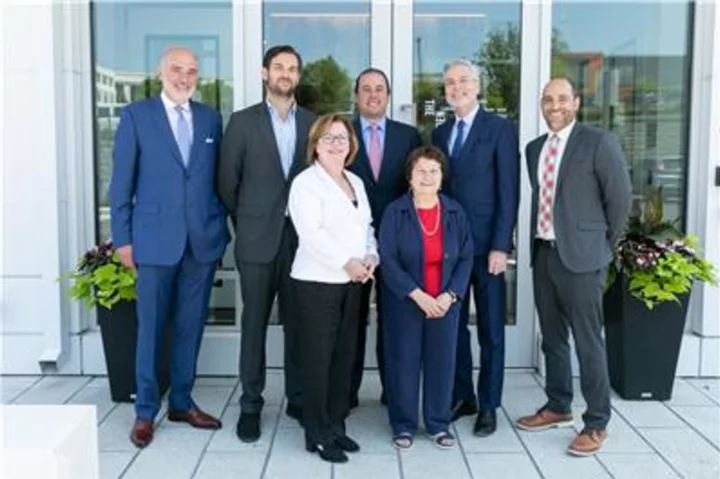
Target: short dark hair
569 81
429 153
277 50
367 71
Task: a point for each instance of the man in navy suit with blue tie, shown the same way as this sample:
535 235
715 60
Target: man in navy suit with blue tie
384 146
167 222
484 179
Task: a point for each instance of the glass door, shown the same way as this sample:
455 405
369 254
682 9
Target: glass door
428 34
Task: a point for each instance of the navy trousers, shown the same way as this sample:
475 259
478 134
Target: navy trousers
179 294
489 295
415 344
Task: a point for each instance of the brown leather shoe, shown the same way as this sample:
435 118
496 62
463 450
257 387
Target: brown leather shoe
142 432
588 442
545 419
196 418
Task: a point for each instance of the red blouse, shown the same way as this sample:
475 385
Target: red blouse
432 237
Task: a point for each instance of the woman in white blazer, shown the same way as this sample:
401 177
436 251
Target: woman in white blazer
337 253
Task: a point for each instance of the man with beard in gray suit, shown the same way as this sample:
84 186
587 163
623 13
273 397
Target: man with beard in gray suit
262 151
581 197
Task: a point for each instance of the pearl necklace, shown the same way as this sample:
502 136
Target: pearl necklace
437 221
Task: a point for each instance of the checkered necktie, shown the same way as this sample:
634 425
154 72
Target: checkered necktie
547 185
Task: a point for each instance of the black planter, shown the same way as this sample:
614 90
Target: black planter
118 329
642 345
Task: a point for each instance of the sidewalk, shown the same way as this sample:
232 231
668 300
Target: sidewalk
647 440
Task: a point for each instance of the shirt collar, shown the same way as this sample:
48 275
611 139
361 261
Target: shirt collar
365 123
274 112
469 118
169 105
563 134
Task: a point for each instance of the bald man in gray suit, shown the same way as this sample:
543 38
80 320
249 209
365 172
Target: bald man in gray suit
580 205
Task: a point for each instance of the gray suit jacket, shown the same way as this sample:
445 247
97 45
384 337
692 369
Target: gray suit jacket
251 182
592 197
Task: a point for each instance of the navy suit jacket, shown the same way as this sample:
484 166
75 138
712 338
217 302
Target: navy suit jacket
157 205
400 140
403 259
485 179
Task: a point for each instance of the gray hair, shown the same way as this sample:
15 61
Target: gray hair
474 69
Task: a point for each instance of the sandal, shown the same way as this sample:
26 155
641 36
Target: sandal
443 440
403 441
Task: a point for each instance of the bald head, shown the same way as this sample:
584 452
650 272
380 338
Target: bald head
560 103
178 72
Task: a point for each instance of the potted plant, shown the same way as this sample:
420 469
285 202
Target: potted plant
101 281
645 304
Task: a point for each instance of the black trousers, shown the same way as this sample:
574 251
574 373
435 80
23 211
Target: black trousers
328 336
260 283
358 366
568 301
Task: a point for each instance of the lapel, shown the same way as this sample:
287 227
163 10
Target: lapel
198 140
568 155
266 130
444 131
534 159
302 130
362 157
331 185
474 135
388 147
163 123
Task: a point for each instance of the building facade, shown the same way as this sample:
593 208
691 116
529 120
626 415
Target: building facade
648 71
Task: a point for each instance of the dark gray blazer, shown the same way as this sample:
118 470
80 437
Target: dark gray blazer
592 197
251 183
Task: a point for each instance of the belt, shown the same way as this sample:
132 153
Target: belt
548 243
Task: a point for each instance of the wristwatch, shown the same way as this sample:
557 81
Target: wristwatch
453 295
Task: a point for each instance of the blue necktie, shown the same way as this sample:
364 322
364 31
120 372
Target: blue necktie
457 144
183 135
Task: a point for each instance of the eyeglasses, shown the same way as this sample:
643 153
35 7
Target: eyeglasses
330 139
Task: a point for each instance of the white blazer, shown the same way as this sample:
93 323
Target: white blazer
331 230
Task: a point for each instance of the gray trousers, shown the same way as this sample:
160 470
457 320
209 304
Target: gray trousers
260 283
568 301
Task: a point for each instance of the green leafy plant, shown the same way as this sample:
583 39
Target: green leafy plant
659 261
101 279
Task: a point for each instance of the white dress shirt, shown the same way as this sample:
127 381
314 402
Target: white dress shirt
172 114
331 230
563 136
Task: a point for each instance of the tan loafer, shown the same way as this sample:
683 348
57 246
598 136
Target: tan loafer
545 419
588 442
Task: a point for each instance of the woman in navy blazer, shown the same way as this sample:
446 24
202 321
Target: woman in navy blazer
426 249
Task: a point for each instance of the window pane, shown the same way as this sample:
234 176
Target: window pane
488 34
333 39
631 64
128 41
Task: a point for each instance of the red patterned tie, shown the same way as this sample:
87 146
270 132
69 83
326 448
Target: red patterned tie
547 185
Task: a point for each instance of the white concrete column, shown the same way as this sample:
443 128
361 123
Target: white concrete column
45 146
704 194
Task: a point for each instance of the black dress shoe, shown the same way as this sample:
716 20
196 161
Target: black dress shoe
294 411
485 424
248 427
463 408
329 453
347 444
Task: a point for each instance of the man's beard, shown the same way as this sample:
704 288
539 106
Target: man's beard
277 91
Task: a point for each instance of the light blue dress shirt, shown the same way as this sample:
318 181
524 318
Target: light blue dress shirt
285 135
